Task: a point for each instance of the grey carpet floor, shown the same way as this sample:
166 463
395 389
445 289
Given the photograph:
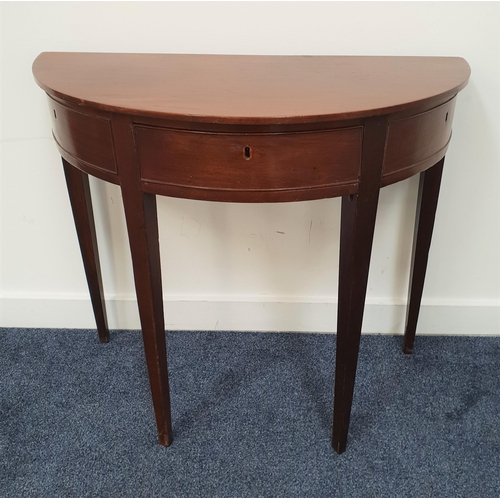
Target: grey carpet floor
251 415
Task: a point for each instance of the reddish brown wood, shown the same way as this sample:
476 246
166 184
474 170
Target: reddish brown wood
142 226
250 89
249 166
81 205
427 200
83 136
251 196
413 142
356 237
253 129
268 95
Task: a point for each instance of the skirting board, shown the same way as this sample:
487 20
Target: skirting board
249 314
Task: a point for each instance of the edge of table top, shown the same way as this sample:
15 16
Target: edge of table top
245 89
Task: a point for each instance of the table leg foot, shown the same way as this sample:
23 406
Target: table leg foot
407 349
81 205
427 200
165 439
340 446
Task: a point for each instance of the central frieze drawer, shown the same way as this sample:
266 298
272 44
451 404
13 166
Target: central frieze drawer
249 161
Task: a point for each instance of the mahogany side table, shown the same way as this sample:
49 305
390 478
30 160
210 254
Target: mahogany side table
252 129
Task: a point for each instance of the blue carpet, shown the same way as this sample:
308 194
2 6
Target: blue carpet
251 415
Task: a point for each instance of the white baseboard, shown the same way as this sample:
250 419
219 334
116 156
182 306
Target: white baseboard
250 314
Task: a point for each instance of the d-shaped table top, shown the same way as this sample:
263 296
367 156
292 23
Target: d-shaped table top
245 89
249 128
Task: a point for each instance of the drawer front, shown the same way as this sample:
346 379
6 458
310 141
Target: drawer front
82 136
418 140
249 162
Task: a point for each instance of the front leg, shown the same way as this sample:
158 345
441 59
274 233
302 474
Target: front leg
142 227
356 237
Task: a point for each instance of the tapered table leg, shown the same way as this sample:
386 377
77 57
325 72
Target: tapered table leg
428 194
142 224
356 237
142 227
81 205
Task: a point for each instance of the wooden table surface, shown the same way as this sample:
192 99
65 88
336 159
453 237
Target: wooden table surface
252 129
250 89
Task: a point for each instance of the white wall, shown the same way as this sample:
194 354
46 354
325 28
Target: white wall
242 266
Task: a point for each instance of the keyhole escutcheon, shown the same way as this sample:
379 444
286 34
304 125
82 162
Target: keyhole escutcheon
247 152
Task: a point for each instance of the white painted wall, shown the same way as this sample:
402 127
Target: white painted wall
249 267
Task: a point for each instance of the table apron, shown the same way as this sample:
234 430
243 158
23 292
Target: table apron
249 167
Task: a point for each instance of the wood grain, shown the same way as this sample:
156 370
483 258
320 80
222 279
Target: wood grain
142 228
81 205
427 201
250 89
249 163
252 129
356 237
415 140
83 136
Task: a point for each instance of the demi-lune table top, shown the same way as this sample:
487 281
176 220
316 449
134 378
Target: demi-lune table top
249 89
